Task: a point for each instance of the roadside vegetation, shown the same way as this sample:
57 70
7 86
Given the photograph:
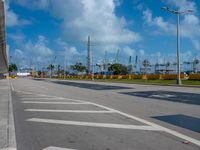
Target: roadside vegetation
117 73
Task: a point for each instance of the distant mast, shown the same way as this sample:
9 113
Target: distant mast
88 56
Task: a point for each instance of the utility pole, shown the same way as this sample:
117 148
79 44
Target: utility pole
130 67
93 64
178 51
105 63
136 62
177 13
88 55
65 64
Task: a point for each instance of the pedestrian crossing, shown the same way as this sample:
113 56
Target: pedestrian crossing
61 111
34 100
67 103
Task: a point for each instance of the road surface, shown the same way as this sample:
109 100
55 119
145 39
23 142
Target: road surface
80 115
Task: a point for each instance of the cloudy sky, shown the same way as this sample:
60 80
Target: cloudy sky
39 30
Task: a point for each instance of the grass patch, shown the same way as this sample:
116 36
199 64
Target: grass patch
142 81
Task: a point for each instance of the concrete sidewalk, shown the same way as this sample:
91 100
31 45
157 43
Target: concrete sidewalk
7 130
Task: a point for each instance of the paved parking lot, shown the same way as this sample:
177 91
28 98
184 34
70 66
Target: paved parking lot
59 120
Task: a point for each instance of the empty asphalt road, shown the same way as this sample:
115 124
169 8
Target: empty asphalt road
80 115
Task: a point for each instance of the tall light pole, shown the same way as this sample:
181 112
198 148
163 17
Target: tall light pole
88 56
177 13
93 64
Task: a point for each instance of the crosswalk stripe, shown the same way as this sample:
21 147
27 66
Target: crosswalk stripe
69 111
39 102
93 124
56 148
42 98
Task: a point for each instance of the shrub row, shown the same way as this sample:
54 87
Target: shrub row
148 76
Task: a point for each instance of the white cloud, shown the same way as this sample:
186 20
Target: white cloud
39 52
128 51
159 22
70 52
189 23
12 19
182 4
38 49
96 18
85 17
141 52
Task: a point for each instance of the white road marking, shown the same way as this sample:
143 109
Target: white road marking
9 148
70 103
170 131
56 148
76 100
93 124
70 111
163 95
41 98
12 87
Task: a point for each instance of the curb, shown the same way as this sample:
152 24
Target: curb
11 141
154 84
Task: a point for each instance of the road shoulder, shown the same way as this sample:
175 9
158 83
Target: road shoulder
7 128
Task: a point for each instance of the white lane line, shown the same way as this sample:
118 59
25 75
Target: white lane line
12 87
56 148
9 148
76 100
93 124
51 98
163 95
70 111
170 131
70 103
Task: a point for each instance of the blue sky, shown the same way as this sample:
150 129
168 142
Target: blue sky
39 30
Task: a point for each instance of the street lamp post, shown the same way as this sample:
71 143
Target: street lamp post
177 13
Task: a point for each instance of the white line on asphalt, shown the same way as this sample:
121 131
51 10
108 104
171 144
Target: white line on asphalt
12 87
92 124
172 132
75 100
69 111
9 148
41 98
163 95
56 148
70 103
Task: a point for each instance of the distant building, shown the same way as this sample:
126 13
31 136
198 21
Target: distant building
166 68
23 74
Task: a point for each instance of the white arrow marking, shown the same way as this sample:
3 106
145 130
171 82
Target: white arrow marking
56 148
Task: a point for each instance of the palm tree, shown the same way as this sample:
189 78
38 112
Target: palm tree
51 67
